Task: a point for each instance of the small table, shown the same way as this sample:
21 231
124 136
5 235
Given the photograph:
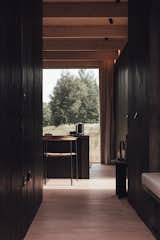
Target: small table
70 153
121 175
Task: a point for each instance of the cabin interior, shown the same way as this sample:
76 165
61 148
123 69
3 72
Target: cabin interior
119 198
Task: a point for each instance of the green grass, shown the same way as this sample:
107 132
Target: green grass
93 130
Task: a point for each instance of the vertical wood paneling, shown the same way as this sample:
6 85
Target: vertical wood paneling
144 86
20 118
37 75
10 142
154 86
138 80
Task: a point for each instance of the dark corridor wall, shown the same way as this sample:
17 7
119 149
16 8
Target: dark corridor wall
20 115
144 106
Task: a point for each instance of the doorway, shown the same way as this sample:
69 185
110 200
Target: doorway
71 96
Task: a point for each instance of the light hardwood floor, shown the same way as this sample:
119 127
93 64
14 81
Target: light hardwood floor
89 210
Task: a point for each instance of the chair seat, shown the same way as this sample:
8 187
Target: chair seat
58 155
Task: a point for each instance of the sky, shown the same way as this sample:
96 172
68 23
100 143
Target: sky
50 77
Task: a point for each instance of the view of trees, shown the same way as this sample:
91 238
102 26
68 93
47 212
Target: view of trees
46 114
74 99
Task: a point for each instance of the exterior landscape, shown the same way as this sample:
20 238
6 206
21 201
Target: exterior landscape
74 98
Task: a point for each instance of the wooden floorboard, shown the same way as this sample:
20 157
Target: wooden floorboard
88 210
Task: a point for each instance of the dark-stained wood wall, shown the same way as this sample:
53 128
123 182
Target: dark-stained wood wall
138 147
20 118
144 107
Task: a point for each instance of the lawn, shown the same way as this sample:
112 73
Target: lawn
93 130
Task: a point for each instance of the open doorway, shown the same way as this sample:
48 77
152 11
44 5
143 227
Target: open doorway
71 96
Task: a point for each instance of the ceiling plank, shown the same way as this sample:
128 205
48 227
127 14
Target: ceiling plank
71 64
110 31
83 21
82 44
85 9
80 55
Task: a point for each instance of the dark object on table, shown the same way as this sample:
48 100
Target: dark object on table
73 133
80 128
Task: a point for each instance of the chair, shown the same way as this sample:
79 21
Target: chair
69 154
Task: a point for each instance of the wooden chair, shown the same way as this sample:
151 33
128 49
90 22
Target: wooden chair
69 154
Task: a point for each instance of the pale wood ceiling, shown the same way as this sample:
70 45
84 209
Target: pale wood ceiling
67 34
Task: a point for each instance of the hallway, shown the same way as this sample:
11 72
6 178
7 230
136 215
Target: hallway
89 210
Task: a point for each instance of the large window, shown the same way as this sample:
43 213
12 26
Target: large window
71 96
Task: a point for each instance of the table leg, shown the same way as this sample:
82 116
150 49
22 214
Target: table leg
77 175
45 163
121 180
71 160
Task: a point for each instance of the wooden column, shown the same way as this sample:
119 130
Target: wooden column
106 94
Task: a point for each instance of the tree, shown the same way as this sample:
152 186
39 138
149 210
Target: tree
46 114
89 110
75 99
